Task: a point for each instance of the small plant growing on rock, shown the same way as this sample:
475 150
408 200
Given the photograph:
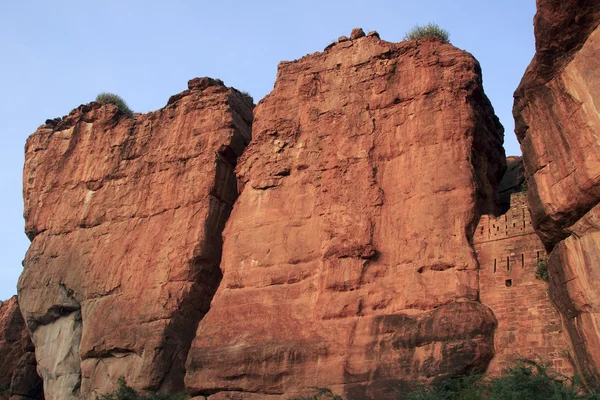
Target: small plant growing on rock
111 98
427 31
4 387
524 186
541 272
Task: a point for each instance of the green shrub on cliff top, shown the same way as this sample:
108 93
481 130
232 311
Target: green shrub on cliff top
429 30
111 98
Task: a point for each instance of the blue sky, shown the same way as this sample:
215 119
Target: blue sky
60 54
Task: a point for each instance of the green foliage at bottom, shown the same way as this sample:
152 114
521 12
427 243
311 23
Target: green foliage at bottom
466 387
528 380
322 393
124 392
4 387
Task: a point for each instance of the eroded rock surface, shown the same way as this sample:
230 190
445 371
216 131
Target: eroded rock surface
347 258
557 114
125 216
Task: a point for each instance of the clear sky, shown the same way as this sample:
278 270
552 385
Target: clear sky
59 54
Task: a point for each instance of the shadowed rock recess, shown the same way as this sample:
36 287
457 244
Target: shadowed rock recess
125 216
348 260
17 365
557 114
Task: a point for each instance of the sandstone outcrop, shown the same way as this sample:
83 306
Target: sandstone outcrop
125 216
348 259
18 376
557 115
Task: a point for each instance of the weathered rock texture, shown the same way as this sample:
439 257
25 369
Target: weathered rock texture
347 259
557 114
509 251
18 376
125 217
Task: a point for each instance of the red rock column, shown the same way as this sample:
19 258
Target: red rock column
347 259
557 114
125 216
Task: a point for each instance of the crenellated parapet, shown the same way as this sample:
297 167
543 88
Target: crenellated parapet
529 325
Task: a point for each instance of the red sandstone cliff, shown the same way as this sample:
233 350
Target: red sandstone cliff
557 114
348 258
18 376
125 216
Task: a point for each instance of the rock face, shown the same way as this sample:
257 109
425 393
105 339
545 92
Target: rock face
125 216
348 258
509 253
18 376
557 114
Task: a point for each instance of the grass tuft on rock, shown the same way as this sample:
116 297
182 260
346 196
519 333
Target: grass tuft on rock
428 31
111 98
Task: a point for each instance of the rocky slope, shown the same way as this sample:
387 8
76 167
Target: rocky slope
557 114
125 216
18 377
347 260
